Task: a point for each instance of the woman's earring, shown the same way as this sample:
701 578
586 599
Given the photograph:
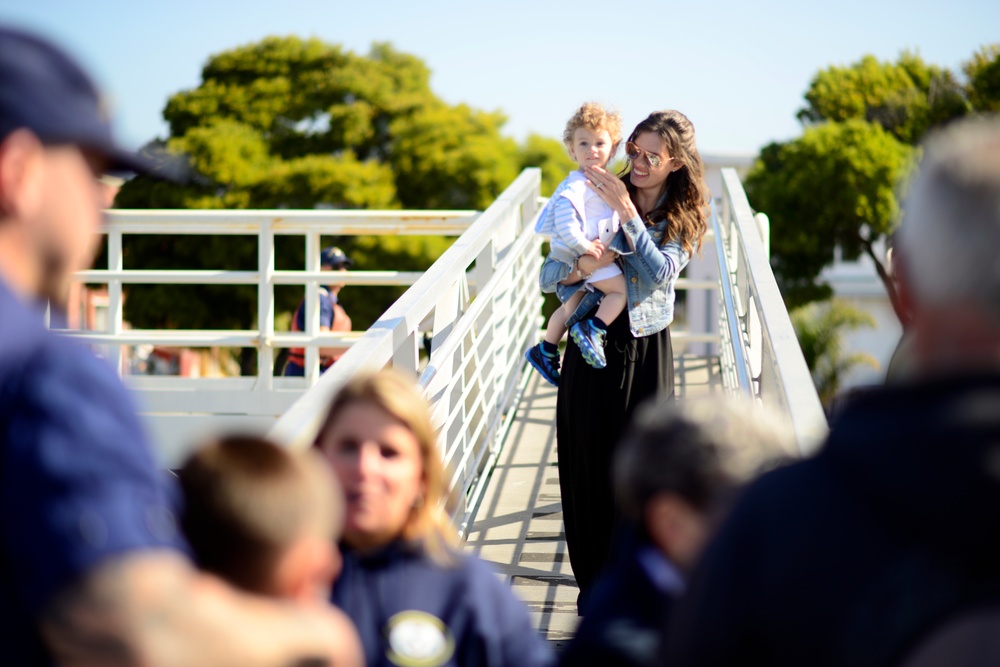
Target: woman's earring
418 502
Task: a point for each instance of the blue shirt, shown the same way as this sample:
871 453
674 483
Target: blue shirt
651 266
295 366
326 304
78 483
628 610
410 610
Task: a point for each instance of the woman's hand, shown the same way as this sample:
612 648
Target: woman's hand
612 191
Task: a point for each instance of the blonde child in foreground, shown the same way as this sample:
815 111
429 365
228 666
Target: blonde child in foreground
581 223
263 518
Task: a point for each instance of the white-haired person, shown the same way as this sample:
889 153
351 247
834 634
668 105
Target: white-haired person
860 554
676 473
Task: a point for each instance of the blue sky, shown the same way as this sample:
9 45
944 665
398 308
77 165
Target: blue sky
736 68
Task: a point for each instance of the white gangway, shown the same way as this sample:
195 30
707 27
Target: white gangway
478 304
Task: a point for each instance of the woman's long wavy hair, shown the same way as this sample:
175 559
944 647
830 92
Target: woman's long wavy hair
684 201
398 396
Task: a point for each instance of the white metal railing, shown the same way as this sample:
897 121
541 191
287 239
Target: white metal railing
180 409
483 301
759 353
479 300
265 224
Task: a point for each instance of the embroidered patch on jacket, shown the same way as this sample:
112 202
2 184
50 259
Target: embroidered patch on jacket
418 639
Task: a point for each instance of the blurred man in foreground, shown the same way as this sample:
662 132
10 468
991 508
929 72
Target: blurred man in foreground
857 556
92 571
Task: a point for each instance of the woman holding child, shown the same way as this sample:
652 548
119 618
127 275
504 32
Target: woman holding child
661 201
415 598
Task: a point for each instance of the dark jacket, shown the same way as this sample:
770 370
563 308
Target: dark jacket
78 483
410 610
847 558
627 611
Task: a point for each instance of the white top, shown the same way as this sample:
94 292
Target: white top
575 216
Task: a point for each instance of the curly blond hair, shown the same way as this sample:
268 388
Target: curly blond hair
594 117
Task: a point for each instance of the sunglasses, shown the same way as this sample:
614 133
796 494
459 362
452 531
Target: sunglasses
633 152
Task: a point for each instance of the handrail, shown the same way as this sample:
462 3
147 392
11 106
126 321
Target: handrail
479 300
479 336
288 221
734 357
783 378
225 277
265 224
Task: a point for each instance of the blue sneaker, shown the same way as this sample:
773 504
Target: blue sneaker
547 366
590 340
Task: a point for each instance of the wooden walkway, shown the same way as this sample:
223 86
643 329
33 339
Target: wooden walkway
519 525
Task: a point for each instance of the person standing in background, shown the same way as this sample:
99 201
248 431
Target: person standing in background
332 316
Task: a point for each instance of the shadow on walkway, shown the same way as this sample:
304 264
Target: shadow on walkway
519 525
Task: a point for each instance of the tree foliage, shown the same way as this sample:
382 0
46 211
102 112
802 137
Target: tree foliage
905 98
451 157
293 123
834 187
820 329
553 158
983 73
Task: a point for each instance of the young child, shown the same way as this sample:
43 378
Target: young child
581 223
263 518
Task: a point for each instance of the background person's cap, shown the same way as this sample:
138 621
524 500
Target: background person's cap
335 257
43 90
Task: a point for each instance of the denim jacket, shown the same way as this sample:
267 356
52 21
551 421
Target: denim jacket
650 273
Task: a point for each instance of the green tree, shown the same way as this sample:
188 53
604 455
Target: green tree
820 328
552 156
293 123
834 187
905 98
983 73
451 157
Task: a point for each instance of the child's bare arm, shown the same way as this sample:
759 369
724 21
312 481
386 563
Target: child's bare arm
596 249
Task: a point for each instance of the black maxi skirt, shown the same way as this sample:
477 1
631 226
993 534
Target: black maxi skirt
592 411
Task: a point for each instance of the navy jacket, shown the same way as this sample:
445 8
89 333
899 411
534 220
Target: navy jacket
77 479
850 557
410 610
627 611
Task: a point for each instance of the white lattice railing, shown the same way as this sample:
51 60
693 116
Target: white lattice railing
181 410
482 301
759 353
479 303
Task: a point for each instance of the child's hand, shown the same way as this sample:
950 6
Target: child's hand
595 250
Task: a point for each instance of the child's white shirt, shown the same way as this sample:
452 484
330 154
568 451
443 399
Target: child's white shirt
575 216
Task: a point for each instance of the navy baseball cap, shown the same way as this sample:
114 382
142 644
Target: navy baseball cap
335 257
44 90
